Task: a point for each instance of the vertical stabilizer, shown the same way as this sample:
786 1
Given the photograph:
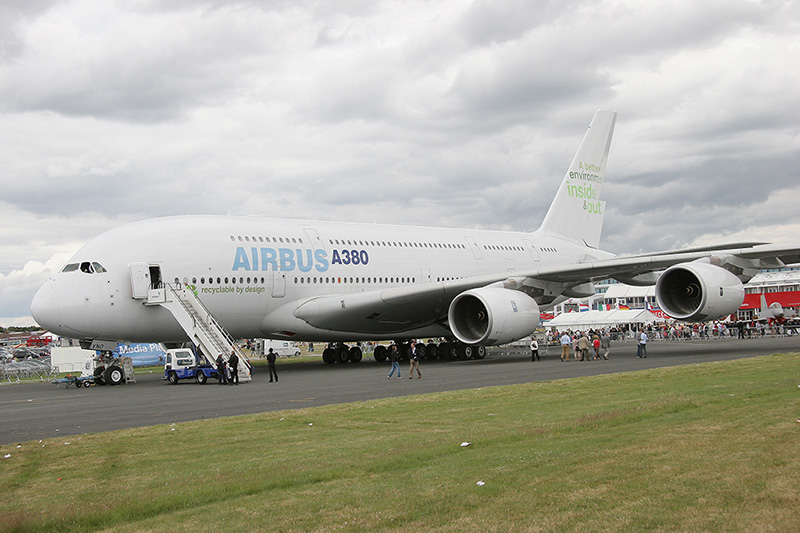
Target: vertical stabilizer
577 211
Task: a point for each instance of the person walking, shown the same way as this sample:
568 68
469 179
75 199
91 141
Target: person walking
566 341
583 346
222 371
605 345
416 355
273 371
641 349
534 350
394 357
233 363
596 346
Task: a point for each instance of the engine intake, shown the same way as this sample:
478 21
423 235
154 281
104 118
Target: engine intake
698 292
492 316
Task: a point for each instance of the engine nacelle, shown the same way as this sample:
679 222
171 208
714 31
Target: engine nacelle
492 316
698 292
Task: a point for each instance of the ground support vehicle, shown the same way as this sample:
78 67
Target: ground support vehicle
182 363
78 381
105 369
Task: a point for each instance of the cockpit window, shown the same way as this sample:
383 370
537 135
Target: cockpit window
99 268
86 267
72 267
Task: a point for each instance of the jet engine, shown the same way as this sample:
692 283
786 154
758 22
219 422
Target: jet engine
697 292
492 316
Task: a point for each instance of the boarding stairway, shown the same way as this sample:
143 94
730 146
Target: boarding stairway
197 321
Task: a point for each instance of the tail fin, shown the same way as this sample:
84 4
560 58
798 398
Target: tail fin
577 211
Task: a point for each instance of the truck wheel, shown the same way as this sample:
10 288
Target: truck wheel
201 378
78 384
113 375
173 378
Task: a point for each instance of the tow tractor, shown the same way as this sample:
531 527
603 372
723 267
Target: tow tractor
102 369
182 363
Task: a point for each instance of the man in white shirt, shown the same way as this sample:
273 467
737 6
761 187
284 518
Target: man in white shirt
641 350
566 340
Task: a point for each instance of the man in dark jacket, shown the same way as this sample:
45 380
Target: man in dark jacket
233 363
273 371
222 372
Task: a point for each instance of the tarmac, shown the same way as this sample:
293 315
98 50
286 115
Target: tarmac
33 411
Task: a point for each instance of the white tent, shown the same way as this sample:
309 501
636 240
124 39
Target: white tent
602 319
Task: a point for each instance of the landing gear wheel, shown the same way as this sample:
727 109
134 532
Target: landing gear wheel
78 384
98 375
464 351
114 375
479 352
430 352
201 378
354 354
173 378
380 353
341 355
449 351
328 356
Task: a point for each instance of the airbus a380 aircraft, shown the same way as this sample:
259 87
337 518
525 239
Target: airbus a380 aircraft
325 281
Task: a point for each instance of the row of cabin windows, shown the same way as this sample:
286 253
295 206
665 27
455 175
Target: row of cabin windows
396 244
220 281
304 280
328 280
277 240
401 244
503 247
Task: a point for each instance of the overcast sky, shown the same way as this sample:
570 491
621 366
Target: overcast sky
453 113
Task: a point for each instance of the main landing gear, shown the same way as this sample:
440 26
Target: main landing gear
450 351
342 353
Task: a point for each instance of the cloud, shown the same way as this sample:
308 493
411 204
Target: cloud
456 114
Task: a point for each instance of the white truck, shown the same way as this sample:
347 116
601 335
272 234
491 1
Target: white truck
281 348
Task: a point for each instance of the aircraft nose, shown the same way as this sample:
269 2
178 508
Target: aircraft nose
45 307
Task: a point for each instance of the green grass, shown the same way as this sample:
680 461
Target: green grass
711 447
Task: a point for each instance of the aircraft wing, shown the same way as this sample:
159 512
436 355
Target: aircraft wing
624 268
388 310
406 308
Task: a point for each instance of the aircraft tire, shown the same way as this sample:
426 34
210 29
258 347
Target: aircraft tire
479 352
341 355
327 356
173 378
464 351
355 355
201 378
98 375
114 375
380 353
78 384
430 352
448 351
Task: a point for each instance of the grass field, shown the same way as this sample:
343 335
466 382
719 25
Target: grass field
711 447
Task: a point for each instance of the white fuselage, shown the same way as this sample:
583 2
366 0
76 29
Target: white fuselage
251 273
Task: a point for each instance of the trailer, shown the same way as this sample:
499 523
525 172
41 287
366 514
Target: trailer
182 363
78 381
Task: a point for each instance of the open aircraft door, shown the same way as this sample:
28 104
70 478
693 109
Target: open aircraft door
140 280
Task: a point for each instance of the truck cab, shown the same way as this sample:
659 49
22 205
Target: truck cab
182 363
